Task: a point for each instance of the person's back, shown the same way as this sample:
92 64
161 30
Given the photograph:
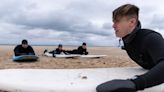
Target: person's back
23 49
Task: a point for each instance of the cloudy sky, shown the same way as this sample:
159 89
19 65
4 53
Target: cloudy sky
70 22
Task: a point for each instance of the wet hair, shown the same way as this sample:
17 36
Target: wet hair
24 41
126 10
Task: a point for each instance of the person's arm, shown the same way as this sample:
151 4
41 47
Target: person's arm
16 51
152 78
154 44
86 52
31 51
65 52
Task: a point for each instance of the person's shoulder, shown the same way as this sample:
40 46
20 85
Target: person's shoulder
142 33
80 47
29 46
19 45
148 31
151 36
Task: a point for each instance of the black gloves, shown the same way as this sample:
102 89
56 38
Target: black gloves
117 86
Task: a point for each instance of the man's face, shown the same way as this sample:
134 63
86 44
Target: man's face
24 45
84 46
60 48
123 26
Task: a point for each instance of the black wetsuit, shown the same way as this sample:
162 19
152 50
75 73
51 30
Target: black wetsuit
146 48
57 51
80 51
19 50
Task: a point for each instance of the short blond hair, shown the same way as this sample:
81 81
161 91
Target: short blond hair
126 10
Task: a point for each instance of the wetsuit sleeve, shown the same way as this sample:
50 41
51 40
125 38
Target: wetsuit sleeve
154 44
16 51
86 52
51 52
31 51
65 52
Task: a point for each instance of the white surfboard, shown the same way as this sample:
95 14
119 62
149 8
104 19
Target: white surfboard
61 55
74 55
65 80
92 56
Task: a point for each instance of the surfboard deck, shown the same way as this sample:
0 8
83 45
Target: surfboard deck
61 55
25 58
65 80
92 56
74 55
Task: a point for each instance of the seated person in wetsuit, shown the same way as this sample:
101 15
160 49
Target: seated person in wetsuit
82 50
24 49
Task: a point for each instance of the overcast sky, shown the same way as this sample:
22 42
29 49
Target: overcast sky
70 22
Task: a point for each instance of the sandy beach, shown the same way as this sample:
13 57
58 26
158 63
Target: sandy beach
115 58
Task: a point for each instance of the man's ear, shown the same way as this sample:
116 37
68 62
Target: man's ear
132 22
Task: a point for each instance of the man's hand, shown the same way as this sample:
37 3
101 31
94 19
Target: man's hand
117 86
